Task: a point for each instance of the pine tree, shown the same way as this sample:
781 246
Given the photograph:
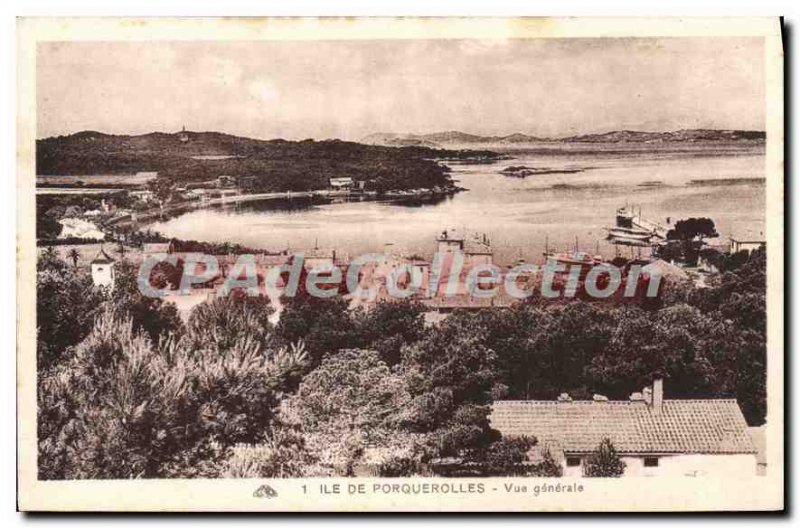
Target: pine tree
604 461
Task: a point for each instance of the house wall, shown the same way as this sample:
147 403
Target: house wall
477 259
103 274
700 465
737 246
682 465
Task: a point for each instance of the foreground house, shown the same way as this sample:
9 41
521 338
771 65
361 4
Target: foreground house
652 436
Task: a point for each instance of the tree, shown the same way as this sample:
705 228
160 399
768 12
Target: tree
691 234
122 407
282 454
47 225
50 259
223 321
400 466
389 326
508 456
604 461
547 466
346 404
324 325
451 377
150 314
162 188
543 351
692 228
66 304
74 256
671 251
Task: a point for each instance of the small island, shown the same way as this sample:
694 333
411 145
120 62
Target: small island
522 171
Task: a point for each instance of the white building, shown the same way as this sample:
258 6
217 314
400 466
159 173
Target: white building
341 183
153 248
103 273
746 245
653 436
476 249
79 228
143 195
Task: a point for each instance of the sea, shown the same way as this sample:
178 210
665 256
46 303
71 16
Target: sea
520 217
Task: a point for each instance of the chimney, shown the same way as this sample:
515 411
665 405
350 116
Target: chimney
658 395
647 395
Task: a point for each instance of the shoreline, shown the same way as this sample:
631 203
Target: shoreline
145 216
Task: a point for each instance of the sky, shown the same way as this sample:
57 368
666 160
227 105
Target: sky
348 89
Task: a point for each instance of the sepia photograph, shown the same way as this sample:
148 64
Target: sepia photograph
401 264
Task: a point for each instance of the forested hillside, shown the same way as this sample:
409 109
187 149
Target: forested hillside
276 165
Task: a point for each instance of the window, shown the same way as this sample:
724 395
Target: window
99 268
650 462
573 461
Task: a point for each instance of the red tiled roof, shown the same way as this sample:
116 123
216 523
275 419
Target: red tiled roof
683 426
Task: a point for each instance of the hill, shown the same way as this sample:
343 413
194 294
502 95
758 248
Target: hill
619 136
275 165
679 136
449 138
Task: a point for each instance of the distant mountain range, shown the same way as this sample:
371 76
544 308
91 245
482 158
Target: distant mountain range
438 139
452 137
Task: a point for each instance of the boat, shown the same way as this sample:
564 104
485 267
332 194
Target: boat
573 258
631 241
632 229
615 233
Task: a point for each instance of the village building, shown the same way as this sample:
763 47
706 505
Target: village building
341 184
446 304
142 195
759 437
247 183
103 273
449 241
653 436
79 228
476 249
153 248
746 245
225 181
322 259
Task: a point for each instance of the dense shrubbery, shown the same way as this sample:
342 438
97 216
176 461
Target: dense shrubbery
66 305
127 390
122 406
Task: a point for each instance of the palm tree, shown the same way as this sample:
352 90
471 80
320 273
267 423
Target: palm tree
74 256
49 260
50 252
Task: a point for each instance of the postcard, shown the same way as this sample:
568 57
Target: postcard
400 264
